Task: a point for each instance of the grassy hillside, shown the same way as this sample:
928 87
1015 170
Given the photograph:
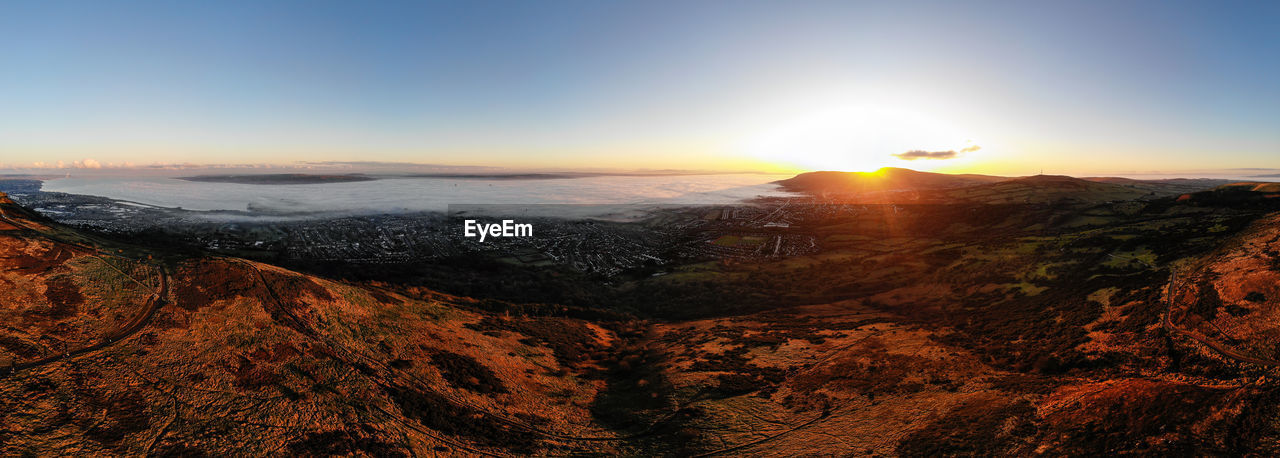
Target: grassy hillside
1028 316
278 362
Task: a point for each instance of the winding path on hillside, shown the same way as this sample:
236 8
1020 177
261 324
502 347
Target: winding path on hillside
1221 349
139 321
1171 292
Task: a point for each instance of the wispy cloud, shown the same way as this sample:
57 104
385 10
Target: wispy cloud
922 154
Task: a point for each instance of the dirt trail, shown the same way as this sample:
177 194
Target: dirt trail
135 324
1216 346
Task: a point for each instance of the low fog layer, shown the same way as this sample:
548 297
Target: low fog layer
397 195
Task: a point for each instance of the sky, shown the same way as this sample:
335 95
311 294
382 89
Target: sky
1006 87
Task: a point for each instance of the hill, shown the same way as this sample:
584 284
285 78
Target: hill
884 180
113 349
1259 194
1163 187
894 185
1231 301
1044 189
956 329
1258 187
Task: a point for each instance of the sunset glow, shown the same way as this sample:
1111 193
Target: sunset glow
857 138
1076 87
722 228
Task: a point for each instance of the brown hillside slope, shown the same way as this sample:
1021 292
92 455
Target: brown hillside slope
239 358
1232 299
924 343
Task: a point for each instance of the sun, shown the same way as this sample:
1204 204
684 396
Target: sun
854 137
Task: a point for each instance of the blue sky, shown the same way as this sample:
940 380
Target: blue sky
1077 87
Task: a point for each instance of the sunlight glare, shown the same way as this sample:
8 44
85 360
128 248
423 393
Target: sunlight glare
859 138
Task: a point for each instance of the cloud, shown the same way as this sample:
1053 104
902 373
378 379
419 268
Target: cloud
87 164
922 154
970 149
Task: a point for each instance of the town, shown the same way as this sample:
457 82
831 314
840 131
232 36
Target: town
662 238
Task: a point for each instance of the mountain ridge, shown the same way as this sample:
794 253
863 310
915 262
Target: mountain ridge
884 179
897 185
